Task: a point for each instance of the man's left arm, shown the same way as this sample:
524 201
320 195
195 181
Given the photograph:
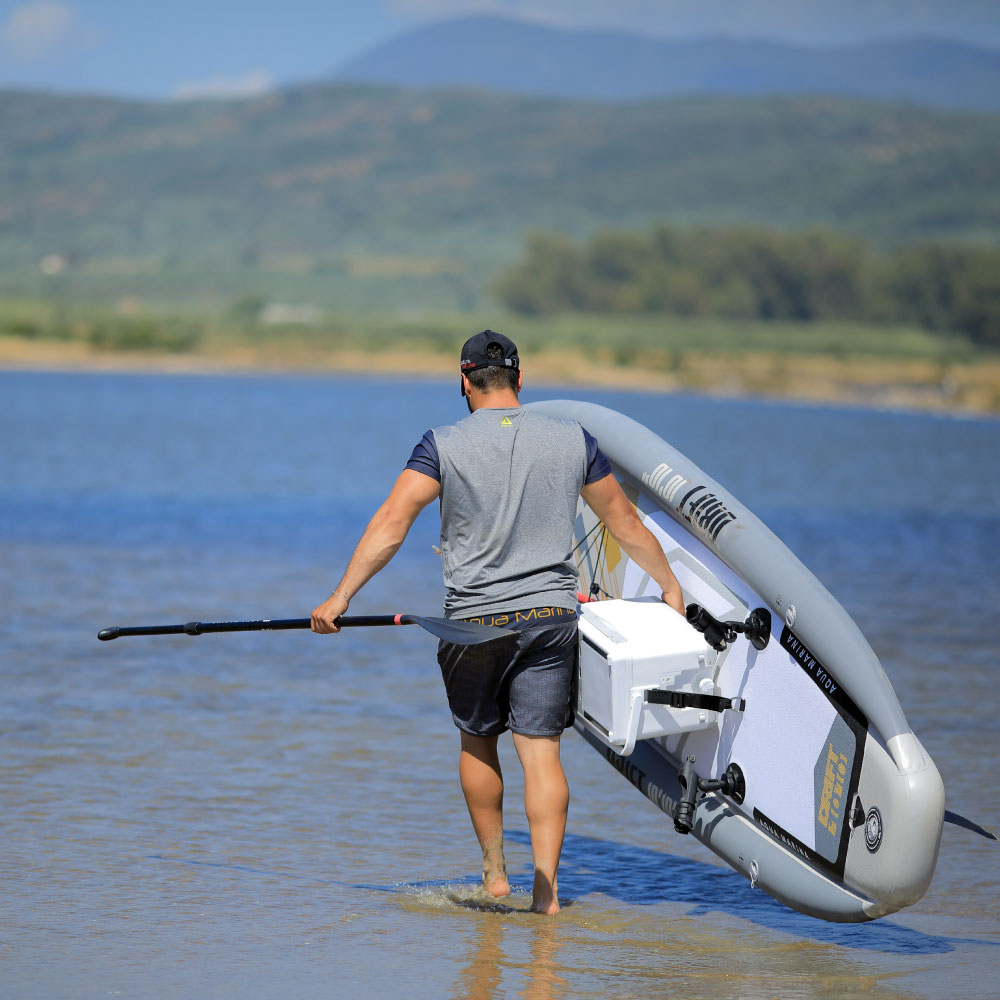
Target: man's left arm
382 538
607 500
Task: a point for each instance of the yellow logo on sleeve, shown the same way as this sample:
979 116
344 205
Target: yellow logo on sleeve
506 422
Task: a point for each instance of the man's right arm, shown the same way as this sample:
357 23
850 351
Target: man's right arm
606 499
382 538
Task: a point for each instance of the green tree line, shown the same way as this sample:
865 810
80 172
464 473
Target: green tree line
755 273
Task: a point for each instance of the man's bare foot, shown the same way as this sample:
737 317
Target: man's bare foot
496 883
547 907
543 895
495 873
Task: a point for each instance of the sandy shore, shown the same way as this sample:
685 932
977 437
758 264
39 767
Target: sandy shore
882 383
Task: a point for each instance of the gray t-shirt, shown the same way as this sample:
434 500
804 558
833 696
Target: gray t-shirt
510 479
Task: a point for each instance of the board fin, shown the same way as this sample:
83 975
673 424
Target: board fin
967 824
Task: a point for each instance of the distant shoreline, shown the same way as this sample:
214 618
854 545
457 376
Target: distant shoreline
875 383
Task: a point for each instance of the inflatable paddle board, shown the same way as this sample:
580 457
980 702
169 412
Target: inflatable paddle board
762 722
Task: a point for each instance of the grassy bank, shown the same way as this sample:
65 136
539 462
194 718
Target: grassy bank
852 363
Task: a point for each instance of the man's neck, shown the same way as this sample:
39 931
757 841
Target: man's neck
498 399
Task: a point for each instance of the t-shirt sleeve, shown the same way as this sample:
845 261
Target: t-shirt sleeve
598 465
424 457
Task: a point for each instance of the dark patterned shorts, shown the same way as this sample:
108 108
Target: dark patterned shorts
524 684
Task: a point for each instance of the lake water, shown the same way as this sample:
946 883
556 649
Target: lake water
279 814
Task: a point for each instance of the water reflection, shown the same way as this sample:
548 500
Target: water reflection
497 955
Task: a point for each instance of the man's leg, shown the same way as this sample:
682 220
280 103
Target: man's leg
546 802
482 783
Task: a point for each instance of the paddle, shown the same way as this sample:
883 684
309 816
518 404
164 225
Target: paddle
451 630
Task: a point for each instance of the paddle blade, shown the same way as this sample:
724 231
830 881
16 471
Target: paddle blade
455 631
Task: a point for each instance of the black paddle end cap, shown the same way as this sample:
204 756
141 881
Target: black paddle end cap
109 633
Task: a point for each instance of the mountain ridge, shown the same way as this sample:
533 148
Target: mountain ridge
479 52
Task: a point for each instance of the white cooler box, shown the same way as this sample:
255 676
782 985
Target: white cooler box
628 648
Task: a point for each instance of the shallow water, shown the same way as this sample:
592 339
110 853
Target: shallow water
249 815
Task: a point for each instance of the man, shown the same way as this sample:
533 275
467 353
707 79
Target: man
508 480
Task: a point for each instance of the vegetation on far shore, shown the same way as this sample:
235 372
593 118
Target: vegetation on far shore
824 360
753 273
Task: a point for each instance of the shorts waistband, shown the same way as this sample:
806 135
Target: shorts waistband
524 617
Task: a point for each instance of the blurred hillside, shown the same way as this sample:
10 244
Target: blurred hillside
369 197
498 53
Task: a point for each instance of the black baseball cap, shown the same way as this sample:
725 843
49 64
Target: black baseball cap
474 353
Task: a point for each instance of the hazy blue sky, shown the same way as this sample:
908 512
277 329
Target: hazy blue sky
189 47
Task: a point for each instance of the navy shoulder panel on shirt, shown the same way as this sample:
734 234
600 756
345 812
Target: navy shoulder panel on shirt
598 465
424 457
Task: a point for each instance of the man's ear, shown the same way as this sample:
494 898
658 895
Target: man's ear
520 379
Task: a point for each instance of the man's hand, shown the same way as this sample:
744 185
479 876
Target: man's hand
327 613
675 599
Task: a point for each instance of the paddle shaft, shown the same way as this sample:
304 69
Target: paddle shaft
200 628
